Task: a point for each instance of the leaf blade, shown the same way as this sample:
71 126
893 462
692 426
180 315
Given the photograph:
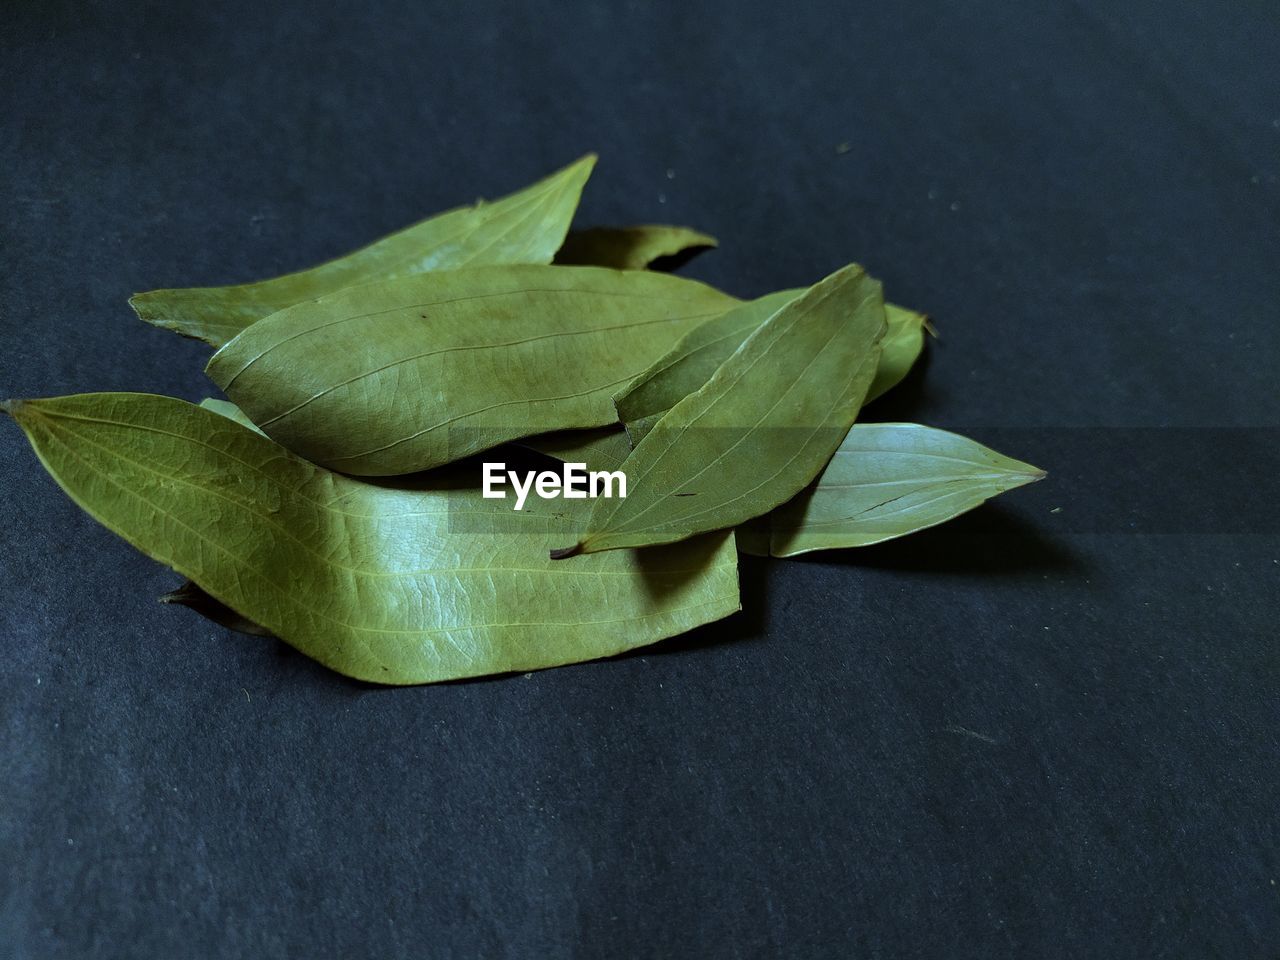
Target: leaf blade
372 581
527 226
901 347
888 480
699 353
397 377
779 384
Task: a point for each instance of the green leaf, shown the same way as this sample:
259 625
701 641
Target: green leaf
396 377
524 227
692 361
407 584
885 481
759 430
630 248
900 349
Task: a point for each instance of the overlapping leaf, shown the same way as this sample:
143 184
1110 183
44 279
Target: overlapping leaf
394 377
887 480
524 227
692 361
901 347
453 336
406 584
759 429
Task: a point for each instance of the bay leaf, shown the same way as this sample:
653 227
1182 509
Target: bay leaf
699 353
403 584
525 227
400 376
887 480
607 449
902 345
759 429
630 248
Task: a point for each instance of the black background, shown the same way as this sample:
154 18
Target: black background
1030 733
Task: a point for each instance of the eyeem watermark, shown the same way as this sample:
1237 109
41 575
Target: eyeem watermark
575 483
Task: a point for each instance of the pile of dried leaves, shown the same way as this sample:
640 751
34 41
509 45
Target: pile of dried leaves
335 500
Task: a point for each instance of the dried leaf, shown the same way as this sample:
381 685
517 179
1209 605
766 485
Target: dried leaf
759 430
887 480
405 584
692 361
396 377
902 344
524 227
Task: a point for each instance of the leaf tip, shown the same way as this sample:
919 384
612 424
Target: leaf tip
1031 474
138 302
565 552
11 407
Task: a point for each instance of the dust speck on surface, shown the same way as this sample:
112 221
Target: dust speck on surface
966 732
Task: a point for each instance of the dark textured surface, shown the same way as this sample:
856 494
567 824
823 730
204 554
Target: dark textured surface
1029 734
